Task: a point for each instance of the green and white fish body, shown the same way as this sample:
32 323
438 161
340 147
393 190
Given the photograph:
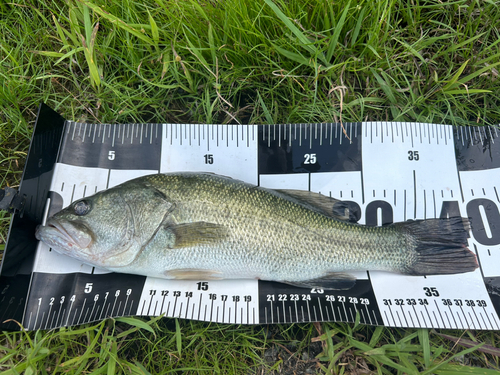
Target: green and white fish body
204 226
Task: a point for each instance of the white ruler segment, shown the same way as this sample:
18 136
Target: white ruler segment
413 168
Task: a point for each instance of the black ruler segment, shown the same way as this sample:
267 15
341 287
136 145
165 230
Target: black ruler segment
21 243
493 288
477 147
58 300
282 303
13 294
113 146
304 148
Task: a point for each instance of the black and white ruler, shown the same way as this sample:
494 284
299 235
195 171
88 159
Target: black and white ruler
383 171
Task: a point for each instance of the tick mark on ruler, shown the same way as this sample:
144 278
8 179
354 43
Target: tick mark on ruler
411 133
494 319
414 195
453 316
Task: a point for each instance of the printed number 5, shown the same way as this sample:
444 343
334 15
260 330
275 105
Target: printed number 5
413 155
111 155
88 287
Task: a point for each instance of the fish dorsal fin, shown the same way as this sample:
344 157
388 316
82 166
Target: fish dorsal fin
193 234
328 206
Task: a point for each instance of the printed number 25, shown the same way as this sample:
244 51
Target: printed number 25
413 155
310 158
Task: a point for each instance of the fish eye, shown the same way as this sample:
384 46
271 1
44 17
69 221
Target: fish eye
82 208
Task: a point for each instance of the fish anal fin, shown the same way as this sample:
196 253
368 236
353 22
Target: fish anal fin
193 274
197 233
331 281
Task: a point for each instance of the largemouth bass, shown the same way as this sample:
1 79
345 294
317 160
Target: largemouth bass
204 226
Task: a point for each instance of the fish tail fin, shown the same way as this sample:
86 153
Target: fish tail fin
440 246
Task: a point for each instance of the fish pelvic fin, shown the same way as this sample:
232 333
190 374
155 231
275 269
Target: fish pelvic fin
193 234
331 281
440 246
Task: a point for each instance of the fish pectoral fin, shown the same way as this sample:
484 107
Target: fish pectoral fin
328 206
332 281
192 234
192 274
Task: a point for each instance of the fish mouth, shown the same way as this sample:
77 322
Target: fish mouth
64 235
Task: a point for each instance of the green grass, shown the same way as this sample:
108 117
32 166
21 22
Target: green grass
244 61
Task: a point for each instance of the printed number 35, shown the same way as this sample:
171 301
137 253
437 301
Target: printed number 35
413 155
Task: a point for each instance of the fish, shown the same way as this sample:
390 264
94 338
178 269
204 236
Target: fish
204 226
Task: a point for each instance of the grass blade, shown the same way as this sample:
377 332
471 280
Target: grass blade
469 344
411 49
358 26
385 87
379 357
112 358
135 322
294 29
268 116
118 22
466 91
455 77
465 370
423 337
293 56
305 42
455 47
338 28
478 73
66 55
154 31
435 368
87 25
178 337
